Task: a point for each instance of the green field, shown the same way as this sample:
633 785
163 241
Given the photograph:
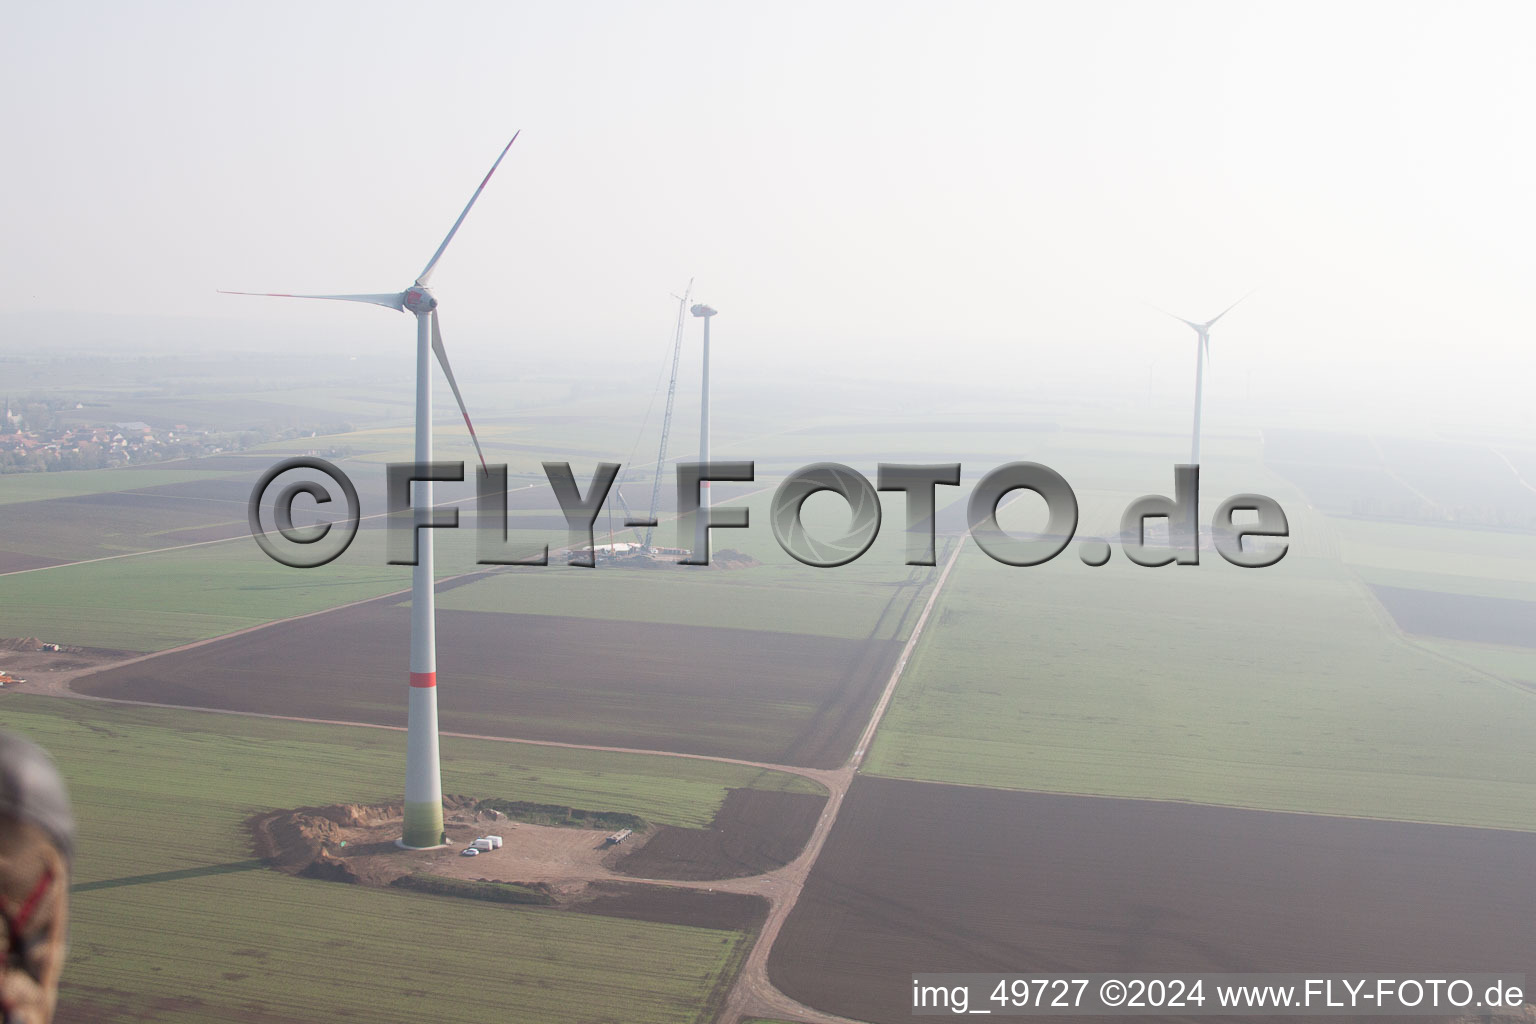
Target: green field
153 600
1441 557
1283 688
1514 663
16 487
763 598
862 600
162 599
172 919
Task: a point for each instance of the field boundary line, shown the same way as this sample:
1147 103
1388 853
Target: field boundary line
868 735
1523 482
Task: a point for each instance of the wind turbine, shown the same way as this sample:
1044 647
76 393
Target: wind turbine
1202 356
423 779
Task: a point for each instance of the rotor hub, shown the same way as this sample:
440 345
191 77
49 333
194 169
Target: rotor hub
419 299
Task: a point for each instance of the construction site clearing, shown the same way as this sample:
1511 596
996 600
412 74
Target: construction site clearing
559 868
34 659
356 843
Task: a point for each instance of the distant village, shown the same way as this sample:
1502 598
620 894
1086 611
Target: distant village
43 439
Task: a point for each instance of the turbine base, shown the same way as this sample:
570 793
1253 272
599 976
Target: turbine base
406 846
423 826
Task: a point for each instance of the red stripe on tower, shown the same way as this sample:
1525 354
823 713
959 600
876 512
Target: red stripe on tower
423 679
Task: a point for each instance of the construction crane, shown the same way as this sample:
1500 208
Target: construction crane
629 516
666 420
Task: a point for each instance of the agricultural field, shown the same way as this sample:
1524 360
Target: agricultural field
924 877
1492 562
1285 688
84 527
755 831
172 919
866 600
155 601
1457 593
1472 618
1180 706
777 661
172 563
753 694
162 576
25 487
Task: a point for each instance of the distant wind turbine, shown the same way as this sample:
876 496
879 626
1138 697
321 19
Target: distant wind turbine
423 779
701 525
1202 356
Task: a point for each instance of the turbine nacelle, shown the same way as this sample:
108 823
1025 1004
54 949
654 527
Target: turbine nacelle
418 299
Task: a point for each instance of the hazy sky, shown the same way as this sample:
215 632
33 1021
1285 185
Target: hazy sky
955 188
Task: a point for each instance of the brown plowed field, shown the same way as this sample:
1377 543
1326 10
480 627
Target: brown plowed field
1470 617
774 697
923 877
15 561
114 522
731 911
753 832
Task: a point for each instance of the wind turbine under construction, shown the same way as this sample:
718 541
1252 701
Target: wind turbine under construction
423 781
1202 356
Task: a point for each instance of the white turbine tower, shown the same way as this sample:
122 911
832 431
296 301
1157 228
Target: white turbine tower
1202 356
423 781
701 525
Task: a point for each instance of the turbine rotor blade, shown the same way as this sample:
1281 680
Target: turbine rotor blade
1180 319
389 301
1229 309
442 358
432 263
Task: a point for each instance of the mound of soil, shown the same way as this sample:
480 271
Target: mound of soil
337 843
537 894
753 832
730 558
296 841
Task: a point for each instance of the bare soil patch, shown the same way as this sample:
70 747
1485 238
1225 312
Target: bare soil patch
699 908
754 832
781 698
25 659
923 877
